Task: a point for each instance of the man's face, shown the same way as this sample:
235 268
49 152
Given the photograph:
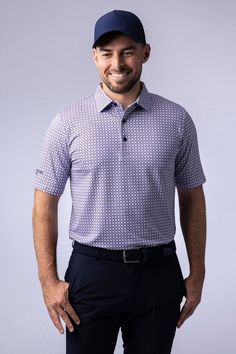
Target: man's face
119 63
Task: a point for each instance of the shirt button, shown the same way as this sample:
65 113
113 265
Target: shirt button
123 120
124 138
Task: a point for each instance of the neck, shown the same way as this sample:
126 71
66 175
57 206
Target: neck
125 99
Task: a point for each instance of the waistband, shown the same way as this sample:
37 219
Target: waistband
135 255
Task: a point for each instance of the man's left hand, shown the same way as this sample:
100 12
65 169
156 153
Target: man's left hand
193 298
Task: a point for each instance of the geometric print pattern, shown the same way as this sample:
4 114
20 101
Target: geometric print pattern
123 167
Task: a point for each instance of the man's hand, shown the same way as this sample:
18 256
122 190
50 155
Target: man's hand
56 299
193 298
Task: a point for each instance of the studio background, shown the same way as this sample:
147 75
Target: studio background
46 64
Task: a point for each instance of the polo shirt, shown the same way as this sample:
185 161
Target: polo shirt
124 166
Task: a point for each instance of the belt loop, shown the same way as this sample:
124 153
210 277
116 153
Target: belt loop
73 243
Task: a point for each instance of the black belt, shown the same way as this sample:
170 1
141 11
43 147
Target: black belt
135 255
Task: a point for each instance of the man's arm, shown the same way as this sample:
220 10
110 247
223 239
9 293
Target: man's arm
55 291
193 224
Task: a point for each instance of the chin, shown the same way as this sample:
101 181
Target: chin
119 89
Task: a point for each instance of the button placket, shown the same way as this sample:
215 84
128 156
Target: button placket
124 133
121 115
124 120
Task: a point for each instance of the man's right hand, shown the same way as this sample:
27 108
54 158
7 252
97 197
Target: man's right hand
55 295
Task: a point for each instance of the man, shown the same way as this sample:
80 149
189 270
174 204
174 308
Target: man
125 151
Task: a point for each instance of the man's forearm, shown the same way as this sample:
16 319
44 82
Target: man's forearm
55 291
45 239
193 224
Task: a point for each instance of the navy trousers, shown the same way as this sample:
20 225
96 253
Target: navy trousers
142 299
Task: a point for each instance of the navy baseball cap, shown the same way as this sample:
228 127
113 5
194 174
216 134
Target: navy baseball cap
119 21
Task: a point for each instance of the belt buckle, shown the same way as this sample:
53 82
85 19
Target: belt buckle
125 256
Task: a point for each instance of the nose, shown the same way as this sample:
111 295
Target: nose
117 62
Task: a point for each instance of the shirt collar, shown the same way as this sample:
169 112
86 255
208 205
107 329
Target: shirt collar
103 101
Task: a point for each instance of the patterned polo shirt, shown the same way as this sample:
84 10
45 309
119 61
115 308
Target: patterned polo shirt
123 166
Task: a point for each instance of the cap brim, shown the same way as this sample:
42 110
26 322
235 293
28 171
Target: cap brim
118 31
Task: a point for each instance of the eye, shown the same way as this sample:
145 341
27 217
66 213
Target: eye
128 53
106 55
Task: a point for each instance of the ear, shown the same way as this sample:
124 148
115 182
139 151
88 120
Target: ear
146 52
95 54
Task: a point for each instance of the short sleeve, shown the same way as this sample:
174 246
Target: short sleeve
188 168
54 166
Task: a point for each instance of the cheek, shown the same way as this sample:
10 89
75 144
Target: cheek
101 69
135 64
137 68
100 64
103 66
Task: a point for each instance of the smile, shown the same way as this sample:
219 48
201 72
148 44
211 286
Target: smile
119 75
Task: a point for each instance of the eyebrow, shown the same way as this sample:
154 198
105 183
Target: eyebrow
103 49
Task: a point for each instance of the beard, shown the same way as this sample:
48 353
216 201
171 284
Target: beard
121 88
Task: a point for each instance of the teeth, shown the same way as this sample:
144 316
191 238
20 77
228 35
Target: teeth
119 75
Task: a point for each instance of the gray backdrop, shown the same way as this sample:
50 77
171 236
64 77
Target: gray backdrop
45 65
